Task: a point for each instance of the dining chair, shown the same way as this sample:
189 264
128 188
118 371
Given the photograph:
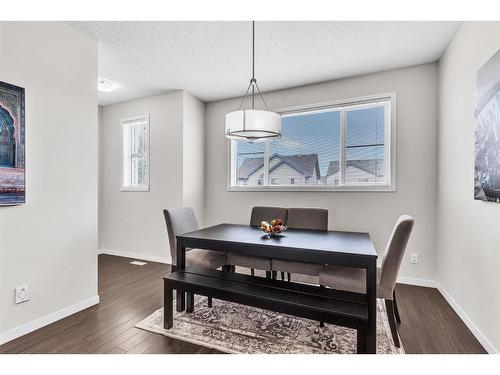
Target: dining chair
183 220
354 279
259 214
302 218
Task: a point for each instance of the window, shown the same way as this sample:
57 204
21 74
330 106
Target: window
332 146
135 154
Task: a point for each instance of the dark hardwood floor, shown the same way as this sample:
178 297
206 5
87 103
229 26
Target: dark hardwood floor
130 293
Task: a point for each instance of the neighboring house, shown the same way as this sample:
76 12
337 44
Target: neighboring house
283 170
356 171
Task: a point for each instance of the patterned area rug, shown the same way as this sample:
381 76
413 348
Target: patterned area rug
234 328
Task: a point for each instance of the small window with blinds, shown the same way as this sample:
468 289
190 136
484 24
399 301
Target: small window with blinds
135 154
339 146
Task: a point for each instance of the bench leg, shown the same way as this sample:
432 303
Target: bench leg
268 274
289 276
189 302
168 316
209 302
180 300
361 341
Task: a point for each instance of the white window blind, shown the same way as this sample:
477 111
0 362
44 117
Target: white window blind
135 154
333 147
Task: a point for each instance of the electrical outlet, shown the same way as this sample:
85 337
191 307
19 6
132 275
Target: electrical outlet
22 294
414 258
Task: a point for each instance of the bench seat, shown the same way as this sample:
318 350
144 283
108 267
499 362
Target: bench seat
327 305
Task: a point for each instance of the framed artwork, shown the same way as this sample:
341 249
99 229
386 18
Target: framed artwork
12 145
487 131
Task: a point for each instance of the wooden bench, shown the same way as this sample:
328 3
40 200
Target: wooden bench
327 305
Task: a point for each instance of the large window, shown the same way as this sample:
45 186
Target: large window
135 154
335 146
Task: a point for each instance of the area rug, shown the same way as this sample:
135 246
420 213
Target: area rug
234 328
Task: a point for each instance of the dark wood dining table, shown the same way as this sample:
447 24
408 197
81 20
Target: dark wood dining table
352 249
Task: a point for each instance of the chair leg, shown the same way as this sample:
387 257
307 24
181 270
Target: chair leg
209 302
321 324
274 274
396 310
282 276
392 321
289 276
268 274
252 272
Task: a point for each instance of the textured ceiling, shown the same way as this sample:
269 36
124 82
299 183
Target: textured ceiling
212 60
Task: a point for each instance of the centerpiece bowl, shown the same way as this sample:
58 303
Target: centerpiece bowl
275 229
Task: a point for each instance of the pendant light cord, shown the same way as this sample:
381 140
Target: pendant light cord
253 65
253 81
253 50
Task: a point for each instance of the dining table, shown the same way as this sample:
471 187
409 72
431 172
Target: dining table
343 248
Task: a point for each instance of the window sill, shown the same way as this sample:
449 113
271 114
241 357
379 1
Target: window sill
134 189
351 189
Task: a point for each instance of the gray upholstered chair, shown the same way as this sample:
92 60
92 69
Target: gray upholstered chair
354 279
302 218
258 215
183 220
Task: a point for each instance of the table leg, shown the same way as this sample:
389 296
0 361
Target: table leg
371 294
181 264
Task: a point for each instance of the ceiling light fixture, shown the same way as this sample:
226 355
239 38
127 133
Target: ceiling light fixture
253 125
105 85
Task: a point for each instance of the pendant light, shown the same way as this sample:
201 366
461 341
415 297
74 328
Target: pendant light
253 125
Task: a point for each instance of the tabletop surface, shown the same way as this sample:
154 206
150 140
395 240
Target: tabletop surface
354 243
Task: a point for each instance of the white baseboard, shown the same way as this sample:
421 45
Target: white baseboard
47 319
490 348
126 254
415 281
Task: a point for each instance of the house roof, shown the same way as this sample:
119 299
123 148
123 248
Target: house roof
304 164
249 166
365 165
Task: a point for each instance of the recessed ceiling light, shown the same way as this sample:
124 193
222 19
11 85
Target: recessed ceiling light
105 85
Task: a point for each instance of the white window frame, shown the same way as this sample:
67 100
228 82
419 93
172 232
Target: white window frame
124 122
359 102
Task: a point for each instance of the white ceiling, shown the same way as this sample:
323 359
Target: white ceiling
212 60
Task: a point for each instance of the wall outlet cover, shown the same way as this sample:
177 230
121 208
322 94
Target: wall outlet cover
22 294
414 258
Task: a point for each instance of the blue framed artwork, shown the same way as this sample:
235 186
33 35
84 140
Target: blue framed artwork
487 130
12 145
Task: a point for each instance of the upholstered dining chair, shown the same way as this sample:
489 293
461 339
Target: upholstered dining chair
302 218
354 279
183 220
259 214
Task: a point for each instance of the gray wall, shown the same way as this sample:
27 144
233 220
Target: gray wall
193 154
132 223
50 243
416 89
468 242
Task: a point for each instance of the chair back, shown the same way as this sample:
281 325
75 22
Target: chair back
179 221
307 218
262 213
395 250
